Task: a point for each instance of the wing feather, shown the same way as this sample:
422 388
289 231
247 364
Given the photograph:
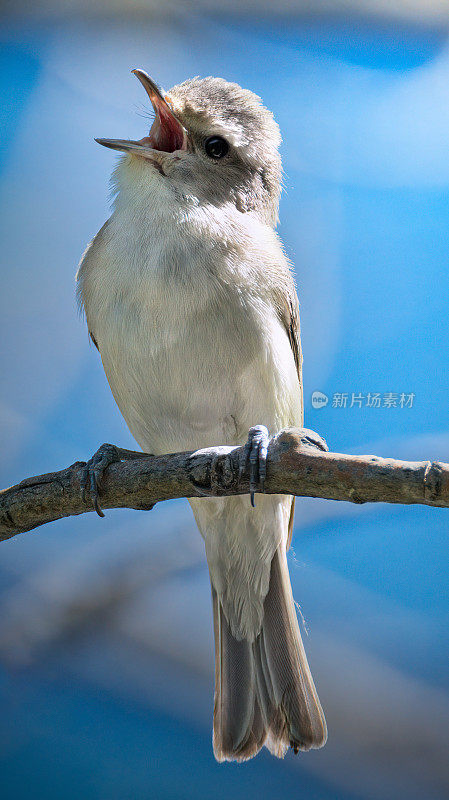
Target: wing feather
289 315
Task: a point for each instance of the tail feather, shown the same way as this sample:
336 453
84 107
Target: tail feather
264 691
293 689
277 739
239 726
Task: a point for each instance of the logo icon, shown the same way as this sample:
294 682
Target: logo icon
319 400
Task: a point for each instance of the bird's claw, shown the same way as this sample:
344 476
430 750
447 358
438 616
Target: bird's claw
93 473
255 452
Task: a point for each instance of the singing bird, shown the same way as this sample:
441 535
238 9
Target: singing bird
191 302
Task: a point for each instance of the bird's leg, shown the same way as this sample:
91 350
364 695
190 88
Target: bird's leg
255 451
95 468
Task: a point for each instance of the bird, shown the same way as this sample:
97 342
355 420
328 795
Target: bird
191 301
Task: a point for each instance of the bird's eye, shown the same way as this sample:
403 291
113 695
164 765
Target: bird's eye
216 147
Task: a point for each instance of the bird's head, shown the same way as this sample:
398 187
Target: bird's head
211 141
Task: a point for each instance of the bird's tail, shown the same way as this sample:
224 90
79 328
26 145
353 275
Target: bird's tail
264 691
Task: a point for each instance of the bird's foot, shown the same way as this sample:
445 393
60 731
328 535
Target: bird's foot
95 468
255 451
313 438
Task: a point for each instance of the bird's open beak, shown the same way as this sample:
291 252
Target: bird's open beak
166 134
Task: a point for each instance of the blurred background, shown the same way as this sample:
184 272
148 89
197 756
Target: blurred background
106 644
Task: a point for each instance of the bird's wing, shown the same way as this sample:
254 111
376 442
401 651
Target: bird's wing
290 319
87 266
289 314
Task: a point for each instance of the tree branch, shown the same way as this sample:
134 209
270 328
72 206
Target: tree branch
296 465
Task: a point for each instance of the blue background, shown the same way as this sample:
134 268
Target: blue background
105 631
